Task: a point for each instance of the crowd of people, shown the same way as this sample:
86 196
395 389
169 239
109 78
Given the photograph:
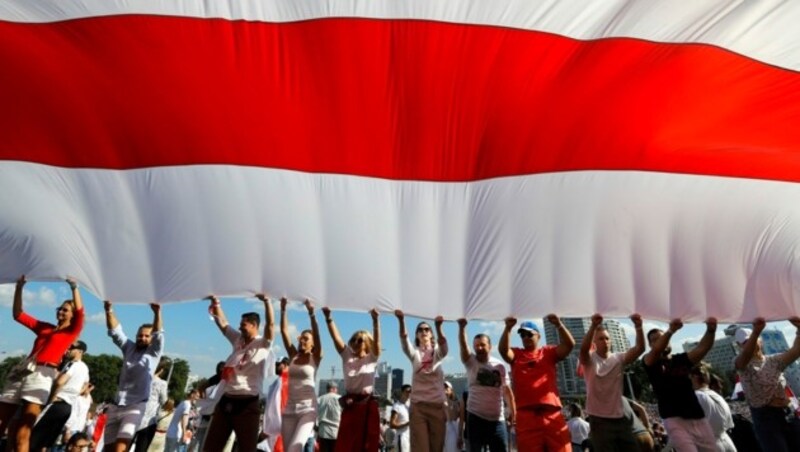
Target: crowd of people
513 401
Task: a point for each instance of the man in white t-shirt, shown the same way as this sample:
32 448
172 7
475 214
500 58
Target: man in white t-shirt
238 409
603 371
488 382
400 420
72 379
176 432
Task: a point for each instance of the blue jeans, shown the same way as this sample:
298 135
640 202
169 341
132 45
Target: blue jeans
481 432
776 432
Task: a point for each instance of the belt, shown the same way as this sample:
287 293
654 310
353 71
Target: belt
51 365
540 409
161 431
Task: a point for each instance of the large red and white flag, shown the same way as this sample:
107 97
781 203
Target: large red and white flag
460 157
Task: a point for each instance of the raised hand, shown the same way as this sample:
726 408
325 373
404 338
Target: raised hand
597 319
510 322
675 325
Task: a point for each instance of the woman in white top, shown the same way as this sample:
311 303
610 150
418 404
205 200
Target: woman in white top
428 415
301 407
359 427
777 426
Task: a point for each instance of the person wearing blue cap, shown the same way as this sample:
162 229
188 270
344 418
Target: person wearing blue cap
540 425
611 429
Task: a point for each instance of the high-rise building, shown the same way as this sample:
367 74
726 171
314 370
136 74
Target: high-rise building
722 353
569 383
383 380
397 378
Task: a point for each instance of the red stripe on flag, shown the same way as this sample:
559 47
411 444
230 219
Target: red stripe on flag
397 99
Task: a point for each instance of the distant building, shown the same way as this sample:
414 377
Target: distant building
383 381
722 353
569 383
397 378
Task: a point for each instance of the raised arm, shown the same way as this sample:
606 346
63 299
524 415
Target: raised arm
504 346
76 293
791 355
636 351
111 318
287 341
707 341
440 337
749 348
338 343
565 340
269 321
584 355
462 340
158 322
401 324
216 311
16 310
660 344
317 351
376 331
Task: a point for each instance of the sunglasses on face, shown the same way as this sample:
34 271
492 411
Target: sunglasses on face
423 329
62 309
359 340
525 334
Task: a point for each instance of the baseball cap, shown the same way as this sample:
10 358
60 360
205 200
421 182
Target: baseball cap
528 326
742 334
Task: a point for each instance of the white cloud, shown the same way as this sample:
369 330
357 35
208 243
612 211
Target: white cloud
97 318
44 296
491 328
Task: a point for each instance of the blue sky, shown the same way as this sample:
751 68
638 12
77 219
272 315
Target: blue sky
192 335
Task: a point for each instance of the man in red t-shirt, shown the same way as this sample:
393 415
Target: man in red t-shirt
540 424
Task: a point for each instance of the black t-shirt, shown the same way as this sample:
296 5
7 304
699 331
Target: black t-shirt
673 388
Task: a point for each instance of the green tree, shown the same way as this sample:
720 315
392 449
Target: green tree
104 373
7 364
177 383
642 389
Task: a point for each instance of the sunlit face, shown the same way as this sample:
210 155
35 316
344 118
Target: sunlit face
359 343
305 342
530 339
249 330
64 312
144 337
602 342
482 348
448 391
424 334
